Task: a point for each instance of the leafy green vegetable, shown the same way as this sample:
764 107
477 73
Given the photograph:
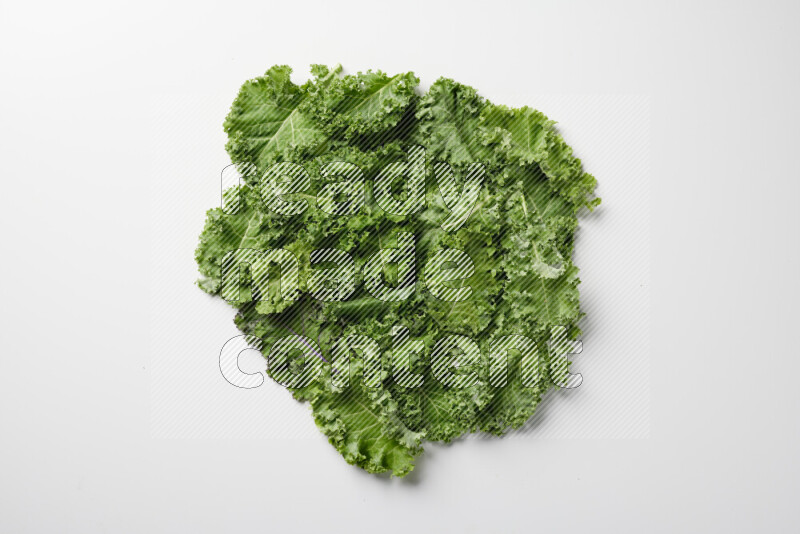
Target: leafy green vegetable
519 236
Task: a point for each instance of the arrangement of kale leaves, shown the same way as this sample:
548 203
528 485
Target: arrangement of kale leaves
520 237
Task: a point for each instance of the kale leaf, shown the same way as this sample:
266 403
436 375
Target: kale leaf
519 236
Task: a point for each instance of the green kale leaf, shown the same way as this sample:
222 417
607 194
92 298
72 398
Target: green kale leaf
519 236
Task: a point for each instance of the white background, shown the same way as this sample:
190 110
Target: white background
87 162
